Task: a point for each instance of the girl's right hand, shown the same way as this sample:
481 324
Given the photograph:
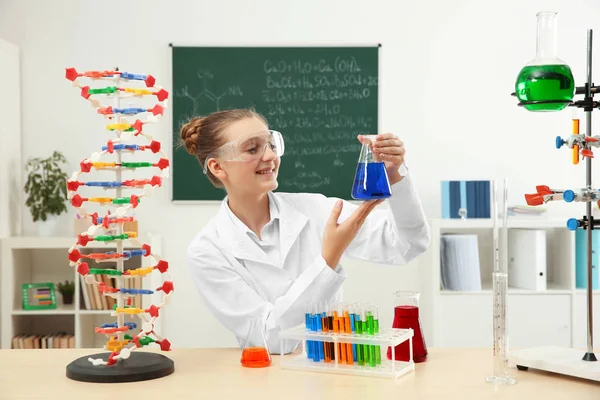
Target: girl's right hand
337 237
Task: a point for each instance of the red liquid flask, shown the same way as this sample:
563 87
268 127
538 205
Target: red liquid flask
255 353
406 315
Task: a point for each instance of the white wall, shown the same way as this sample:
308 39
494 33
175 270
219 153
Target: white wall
447 71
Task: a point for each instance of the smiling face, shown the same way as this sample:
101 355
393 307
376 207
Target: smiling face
257 176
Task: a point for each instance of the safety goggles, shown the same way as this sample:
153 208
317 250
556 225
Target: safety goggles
249 149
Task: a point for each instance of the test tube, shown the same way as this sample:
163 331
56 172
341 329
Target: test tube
341 326
371 332
325 325
330 324
365 330
359 331
348 330
352 311
319 329
308 323
315 350
376 331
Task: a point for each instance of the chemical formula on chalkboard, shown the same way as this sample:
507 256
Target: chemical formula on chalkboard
319 98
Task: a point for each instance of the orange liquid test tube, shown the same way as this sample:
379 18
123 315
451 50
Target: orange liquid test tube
336 329
325 324
348 329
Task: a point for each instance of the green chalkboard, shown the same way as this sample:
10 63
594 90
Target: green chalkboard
319 98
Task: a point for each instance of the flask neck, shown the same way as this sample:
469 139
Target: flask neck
547 37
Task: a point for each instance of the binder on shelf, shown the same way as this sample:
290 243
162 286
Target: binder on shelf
466 199
460 268
527 259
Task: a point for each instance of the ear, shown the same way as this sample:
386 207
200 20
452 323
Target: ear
216 168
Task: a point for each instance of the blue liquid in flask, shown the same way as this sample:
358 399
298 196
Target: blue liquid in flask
371 182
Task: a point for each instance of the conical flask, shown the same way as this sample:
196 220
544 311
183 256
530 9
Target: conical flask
406 316
255 353
546 83
370 181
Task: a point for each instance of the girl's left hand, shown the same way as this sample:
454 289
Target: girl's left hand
391 151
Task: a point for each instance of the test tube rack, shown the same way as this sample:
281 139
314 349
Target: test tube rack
391 337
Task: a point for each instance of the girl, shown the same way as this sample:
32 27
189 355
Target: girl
269 255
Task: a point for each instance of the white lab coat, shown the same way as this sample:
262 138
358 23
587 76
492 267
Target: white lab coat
237 280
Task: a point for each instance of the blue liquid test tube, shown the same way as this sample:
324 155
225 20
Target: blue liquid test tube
352 313
308 328
319 329
315 344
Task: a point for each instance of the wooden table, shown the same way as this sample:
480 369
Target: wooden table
217 374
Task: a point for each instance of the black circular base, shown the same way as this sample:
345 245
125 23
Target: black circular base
139 366
589 357
522 368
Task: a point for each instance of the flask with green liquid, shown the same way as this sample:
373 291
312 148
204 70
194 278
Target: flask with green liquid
546 79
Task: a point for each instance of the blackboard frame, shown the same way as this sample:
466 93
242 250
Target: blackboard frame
256 45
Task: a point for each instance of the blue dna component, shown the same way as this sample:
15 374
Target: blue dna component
123 147
136 291
129 111
559 142
131 325
371 182
136 77
137 252
104 184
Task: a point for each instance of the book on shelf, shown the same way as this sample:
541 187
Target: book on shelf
59 340
94 300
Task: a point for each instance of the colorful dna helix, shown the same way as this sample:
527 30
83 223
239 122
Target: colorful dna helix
108 227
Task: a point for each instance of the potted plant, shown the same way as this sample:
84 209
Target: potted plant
67 289
46 189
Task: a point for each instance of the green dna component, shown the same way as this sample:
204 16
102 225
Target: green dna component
136 164
122 200
144 341
106 90
108 238
99 271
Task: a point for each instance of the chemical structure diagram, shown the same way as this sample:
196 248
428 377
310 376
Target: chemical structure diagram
206 94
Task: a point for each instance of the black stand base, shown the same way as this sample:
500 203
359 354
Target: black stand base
139 366
590 357
522 368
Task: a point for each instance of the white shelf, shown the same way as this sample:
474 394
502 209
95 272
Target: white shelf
486 289
550 317
28 259
59 310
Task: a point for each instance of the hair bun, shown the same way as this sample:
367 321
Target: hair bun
189 134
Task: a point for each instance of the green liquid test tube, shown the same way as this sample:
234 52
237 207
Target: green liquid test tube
135 164
106 90
371 332
98 271
377 348
359 347
365 346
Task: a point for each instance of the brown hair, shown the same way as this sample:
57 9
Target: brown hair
202 135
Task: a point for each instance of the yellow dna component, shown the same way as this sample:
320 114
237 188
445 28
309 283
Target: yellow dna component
131 234
141 271
138 92
100 199
129 311
100 164
118 127
115 345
